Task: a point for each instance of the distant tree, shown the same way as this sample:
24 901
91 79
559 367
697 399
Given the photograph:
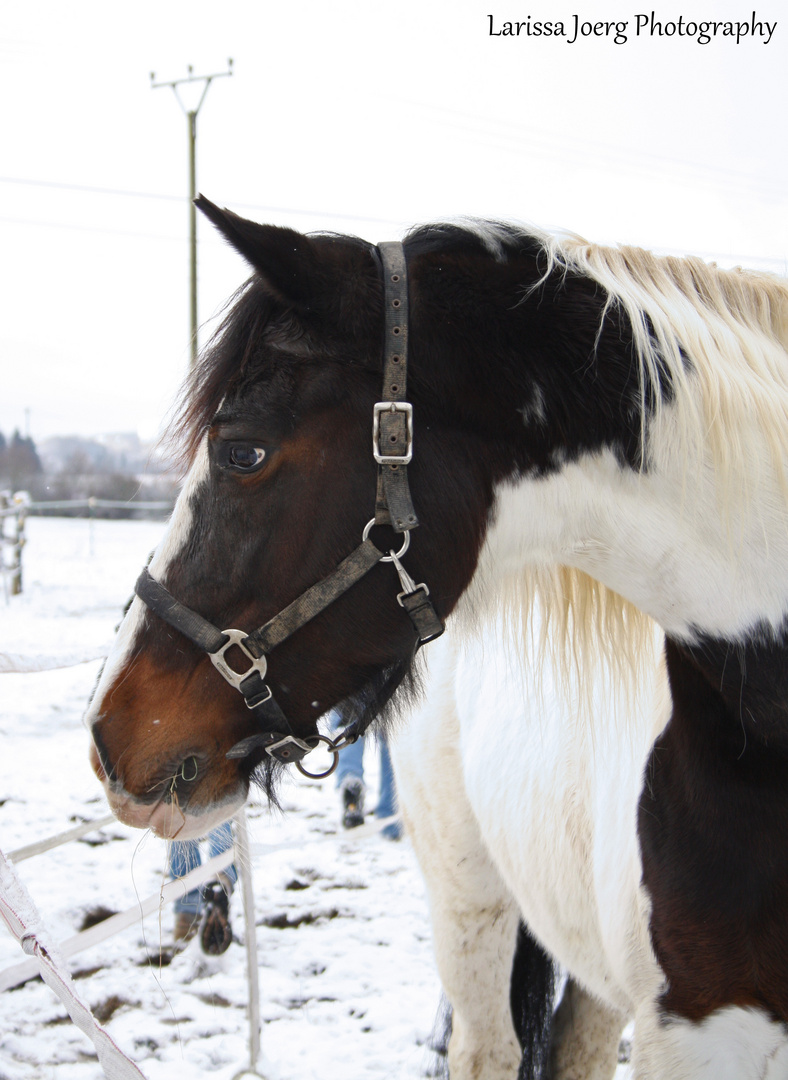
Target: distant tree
21 463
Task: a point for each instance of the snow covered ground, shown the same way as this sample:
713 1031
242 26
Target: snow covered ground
347 981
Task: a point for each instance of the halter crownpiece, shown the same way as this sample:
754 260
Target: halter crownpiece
392 427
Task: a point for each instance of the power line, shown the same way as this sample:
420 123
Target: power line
94 229
126 193
508 135
60 185
776 263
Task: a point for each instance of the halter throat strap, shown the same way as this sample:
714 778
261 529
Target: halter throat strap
393 451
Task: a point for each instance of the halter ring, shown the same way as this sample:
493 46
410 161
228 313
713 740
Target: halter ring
388 558
334 750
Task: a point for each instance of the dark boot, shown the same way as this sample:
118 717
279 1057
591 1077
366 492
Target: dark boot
215 930
352 804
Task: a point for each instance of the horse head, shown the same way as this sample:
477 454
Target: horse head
276 421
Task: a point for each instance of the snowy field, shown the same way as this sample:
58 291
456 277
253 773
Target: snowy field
347 981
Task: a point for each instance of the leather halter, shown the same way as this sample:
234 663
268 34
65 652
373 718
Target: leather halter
393 450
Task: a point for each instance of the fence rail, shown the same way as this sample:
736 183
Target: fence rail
14 509
93 504
15 974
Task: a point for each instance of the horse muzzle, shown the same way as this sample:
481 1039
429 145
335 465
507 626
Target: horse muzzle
169 816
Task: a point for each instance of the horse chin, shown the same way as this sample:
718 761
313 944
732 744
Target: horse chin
168 820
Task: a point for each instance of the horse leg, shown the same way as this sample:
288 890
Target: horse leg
586 1036
474 917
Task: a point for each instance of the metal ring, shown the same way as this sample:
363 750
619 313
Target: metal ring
387 558
334 763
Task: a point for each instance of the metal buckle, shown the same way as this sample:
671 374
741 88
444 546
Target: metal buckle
392 406
259 664
401 596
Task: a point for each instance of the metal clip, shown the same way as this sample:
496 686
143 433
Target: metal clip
258 664
393 407
409 586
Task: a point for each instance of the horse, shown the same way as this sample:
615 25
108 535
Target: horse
594 433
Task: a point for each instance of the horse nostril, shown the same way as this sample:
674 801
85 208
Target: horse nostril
95 764
189 770
99 759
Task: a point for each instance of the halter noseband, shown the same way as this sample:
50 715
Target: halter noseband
392 448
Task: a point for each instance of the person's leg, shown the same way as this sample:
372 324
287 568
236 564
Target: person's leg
183 856
220 840
387 801
351 759
350 778
351 764
216 933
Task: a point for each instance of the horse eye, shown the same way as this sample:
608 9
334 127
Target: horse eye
246 457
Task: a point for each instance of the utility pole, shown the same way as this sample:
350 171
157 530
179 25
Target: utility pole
191 122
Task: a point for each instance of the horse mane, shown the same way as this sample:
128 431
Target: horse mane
718 338
716 341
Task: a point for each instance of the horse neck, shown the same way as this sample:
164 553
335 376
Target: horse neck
713 574
664 538
588 476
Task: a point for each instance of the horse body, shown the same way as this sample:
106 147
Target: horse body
541 822
597 431
552 803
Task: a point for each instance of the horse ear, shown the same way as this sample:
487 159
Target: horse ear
286 260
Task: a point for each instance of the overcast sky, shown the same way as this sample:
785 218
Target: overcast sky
353 115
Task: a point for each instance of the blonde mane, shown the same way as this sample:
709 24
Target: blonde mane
718 340
719 337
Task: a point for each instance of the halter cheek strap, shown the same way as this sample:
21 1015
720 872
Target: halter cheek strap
392 426
393 451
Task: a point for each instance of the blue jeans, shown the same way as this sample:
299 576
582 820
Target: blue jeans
351 765
184 856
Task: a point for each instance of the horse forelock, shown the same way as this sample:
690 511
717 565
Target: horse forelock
222 365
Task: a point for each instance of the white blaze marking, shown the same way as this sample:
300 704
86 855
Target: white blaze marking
173 542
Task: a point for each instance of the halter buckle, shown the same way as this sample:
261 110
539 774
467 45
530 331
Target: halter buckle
392 407
234 678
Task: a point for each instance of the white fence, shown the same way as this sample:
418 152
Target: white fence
47 958
13 510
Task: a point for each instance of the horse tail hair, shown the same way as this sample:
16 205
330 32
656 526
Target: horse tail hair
532 997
